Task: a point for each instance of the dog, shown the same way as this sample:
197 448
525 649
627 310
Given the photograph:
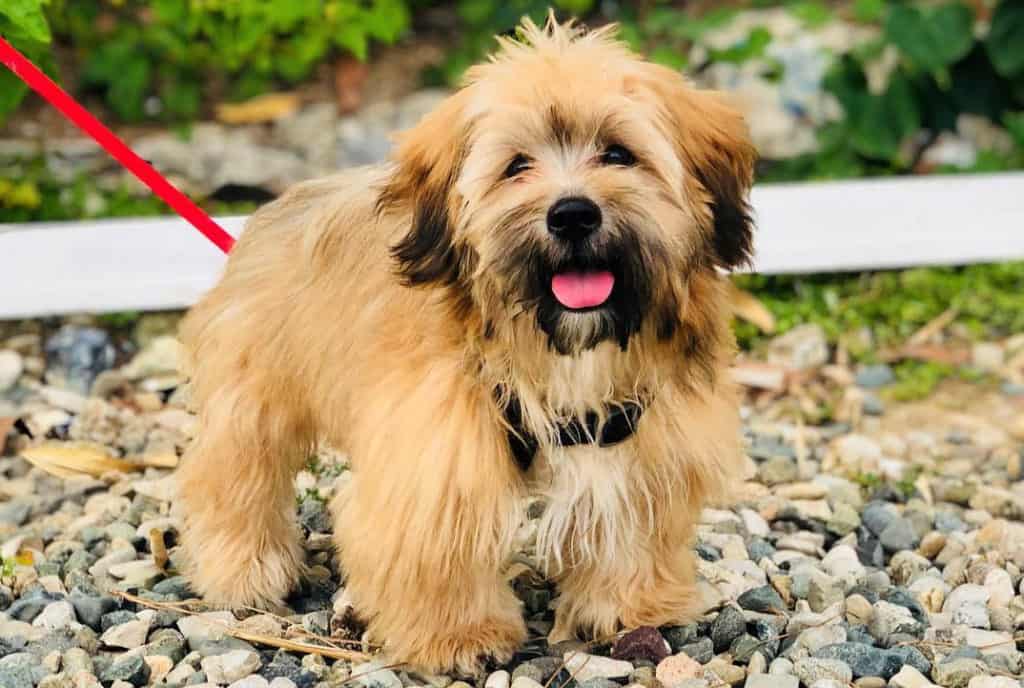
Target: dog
528 298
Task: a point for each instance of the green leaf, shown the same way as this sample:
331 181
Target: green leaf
27 16
1014 122
868 11
931 40
977 87
577 7
887 120
353 39
875 125
752 47
1005 42
12 92
811 13
669 57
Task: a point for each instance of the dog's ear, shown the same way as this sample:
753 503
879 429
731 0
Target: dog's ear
427 160
715 148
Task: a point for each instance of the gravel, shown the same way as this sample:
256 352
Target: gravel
816 574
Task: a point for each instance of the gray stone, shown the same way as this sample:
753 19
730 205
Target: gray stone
701 651
76 355
29 607
90 610
899 535
824 591
763 599
727 626
778 470
877 516
957 673
127 635
678 636
584 666
891 619
771 681
176 587
501 679
231 666
167 642
20 669
253 681
128 668
314 516
874 376
844 521
375 675
863 659
743 648
220 646
814 669
802 348
76 660
55 616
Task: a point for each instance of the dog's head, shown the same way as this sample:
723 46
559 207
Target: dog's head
573 183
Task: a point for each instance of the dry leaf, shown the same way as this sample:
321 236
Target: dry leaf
929 354
70 459
749 308
932 328
165 460
759 375
265 108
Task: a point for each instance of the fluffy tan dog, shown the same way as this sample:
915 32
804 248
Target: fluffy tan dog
527 299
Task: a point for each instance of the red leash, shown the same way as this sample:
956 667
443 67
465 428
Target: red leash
80 117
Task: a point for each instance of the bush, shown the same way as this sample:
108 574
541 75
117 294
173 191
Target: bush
942 66
22 23
158 58
162 59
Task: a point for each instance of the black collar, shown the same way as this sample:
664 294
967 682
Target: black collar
620 423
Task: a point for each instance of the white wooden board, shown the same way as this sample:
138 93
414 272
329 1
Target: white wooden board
161 263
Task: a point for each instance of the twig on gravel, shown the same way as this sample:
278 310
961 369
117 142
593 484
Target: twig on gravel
303 633
329 650
572 676
932 327
361 674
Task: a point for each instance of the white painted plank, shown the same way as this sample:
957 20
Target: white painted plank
106 265
160 263
889 223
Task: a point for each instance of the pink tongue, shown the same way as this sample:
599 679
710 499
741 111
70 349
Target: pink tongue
582 289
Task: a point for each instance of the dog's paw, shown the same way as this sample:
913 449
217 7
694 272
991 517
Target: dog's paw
263 580
469 651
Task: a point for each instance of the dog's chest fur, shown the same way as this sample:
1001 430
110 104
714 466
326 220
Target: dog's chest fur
597 505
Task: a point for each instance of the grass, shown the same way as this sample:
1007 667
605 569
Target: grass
871 311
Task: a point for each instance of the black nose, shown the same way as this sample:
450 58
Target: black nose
573 218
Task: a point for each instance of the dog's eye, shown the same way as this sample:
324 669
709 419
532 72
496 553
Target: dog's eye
617 155
518 164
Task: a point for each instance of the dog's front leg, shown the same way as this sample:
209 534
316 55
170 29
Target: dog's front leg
236 488
426 524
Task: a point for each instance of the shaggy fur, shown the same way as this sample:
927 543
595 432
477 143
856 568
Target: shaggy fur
394 311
